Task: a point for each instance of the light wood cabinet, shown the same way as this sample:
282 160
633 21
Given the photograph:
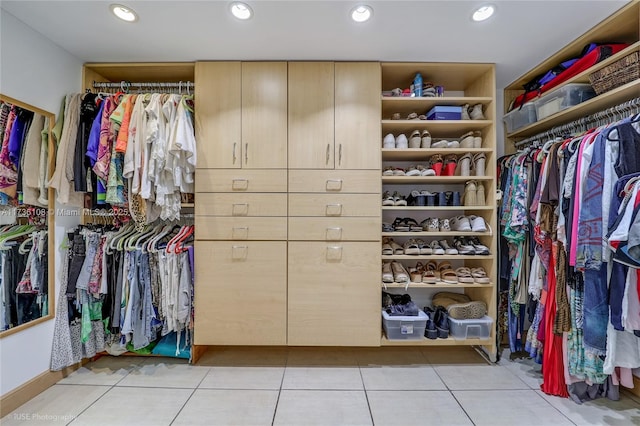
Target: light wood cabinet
311 115
333 205
357 115
241 293
229 204
217 115
264 115
244 180
334 229
335 181
241 228
331 302
241 114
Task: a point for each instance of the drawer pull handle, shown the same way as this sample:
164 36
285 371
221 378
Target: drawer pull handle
246 153
334 185
334 233
334 253
244 212
244 229
328 149
340 155
334 209
240 183
239 252
234 152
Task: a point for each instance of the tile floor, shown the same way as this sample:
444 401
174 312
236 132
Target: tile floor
301 386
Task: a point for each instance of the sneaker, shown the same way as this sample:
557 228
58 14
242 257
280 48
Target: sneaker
400 275
389 141
477 223
436 248
444 225
447 248
463 247
460 223
430 224
478 247
387 274
402 142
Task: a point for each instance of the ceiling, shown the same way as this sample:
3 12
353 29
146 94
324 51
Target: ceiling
520 35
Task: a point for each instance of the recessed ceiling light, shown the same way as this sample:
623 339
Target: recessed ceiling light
483 13
361 13
241 10
123 12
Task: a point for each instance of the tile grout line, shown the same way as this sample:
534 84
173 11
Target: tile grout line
554 407
275 409
453 396
189 398
366 395
516 375
91 405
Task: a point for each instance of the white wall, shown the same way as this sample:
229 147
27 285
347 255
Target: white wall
36 71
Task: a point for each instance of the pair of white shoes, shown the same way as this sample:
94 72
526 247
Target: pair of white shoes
468 223
472 112
390 142
417 140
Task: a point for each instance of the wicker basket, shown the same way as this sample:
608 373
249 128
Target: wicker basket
617 74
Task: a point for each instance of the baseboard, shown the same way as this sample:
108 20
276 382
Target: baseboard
23 393
636 387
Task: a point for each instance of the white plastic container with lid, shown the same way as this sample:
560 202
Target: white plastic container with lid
520 117
461 329
404 327
563 98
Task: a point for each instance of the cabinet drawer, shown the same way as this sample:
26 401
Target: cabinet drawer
241 205
334 205
241 228
334 229
346 181
243 180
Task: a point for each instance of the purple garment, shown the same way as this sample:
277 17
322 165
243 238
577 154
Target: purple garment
16 138
94 137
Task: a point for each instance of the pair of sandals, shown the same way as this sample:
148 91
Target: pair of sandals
472 275
394 272
390 247
435 225
393 200
420 140
470 246
471 139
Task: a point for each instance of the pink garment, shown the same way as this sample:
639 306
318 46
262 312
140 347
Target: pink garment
8 173
107 136
576 206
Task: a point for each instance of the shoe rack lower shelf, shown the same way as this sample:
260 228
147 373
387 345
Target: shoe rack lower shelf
436 234
437 285
438 208
432 179
435 257
436 342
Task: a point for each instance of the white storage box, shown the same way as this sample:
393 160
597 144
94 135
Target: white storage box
470 328
520 117
563 98
404 328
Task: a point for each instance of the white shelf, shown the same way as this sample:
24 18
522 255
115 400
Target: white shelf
438 285
433 179
437 342
416 154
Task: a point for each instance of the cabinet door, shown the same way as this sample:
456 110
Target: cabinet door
334 298
311 120
241 293
358 111
264 115
217 114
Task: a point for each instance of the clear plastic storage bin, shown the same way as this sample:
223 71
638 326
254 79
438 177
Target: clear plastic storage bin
404 328
470 328
520 117
563 98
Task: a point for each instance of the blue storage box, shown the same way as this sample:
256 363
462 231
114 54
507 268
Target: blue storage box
445 113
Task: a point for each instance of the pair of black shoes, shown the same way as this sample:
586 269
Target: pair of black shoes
437 323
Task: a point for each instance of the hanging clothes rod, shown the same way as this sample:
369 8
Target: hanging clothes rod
151 84
583 124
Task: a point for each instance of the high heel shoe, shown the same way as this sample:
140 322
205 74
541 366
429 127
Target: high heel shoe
464 165
470 193
480 197
415 140
467 140
436 163
477 139
450 162
465 112
426 139
475 112
479 161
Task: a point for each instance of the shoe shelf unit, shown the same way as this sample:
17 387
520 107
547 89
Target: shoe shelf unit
463 84
622 26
